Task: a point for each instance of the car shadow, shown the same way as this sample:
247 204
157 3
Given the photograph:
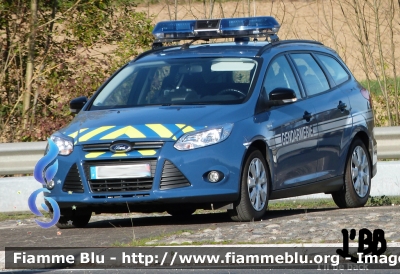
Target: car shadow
203 218
278 213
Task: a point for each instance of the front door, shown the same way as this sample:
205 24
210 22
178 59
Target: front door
295 158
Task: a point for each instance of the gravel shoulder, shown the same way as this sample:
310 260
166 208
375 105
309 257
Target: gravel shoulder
299 226
276 227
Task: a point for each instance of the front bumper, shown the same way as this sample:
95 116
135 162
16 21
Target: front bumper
178 177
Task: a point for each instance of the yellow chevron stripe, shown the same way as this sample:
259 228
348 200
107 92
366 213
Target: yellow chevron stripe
89 135
161 130
130 131
184 128
188 129
119 155
147 152
74 134
93 155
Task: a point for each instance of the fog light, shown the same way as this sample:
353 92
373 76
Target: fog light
214 176
50 184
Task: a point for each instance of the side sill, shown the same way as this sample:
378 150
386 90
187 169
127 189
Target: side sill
325 186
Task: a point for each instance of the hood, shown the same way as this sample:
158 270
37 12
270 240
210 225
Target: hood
150 123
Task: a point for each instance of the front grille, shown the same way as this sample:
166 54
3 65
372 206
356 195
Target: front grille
139 195
73 181
135 146
120 185
172 177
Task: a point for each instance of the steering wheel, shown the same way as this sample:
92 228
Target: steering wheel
231 91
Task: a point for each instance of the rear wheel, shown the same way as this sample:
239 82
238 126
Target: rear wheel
254 190
357 178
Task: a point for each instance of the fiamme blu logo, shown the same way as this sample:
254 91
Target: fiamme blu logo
45 170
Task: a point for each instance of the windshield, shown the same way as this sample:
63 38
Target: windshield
179 81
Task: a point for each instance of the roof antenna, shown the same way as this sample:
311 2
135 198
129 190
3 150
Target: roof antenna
273 38
242 39
157 45
187 45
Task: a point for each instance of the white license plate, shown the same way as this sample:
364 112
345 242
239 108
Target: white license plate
120 171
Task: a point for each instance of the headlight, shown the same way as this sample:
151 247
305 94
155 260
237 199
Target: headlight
65 145
204 137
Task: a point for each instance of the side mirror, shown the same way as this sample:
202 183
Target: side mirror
77 104
281 96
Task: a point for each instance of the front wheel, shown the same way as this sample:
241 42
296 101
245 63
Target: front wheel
72 219
357 178
181 212
254 189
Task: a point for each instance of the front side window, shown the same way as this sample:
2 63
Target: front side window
179 81
280 75
311 74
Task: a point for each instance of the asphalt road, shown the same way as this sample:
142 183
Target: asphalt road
109 230
104 230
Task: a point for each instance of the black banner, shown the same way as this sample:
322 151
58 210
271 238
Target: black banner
323 258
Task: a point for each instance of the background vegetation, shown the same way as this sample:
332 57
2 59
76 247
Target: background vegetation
52 51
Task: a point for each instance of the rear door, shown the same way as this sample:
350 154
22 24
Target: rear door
322 77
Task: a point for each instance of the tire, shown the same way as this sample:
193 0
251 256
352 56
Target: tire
357 185
73 219
181 213
254 189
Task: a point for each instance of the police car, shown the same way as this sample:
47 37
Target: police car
227 125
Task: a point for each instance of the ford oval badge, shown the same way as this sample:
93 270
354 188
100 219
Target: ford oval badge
120 147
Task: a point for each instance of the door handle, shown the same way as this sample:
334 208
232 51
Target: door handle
342 106
307 116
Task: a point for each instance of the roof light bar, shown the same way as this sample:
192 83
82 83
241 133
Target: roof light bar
174 30
262 26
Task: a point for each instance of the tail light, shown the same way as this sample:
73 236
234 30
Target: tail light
366 95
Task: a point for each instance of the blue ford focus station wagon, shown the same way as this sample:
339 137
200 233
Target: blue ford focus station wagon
217 125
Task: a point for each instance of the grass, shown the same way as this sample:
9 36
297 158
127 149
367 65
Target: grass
383 201
16 216
300 204
375 88
144 241
329 203
20 215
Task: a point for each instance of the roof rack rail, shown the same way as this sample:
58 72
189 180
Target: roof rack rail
283 42
156 48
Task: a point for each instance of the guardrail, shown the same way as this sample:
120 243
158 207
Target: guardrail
388 139
21 158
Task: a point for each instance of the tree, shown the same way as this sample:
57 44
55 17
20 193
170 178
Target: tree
51 54
30 63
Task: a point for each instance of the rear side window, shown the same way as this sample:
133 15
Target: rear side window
333 67
280 75
310 72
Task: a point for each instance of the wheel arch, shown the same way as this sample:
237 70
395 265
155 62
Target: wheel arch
362 134
364 138
260 144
